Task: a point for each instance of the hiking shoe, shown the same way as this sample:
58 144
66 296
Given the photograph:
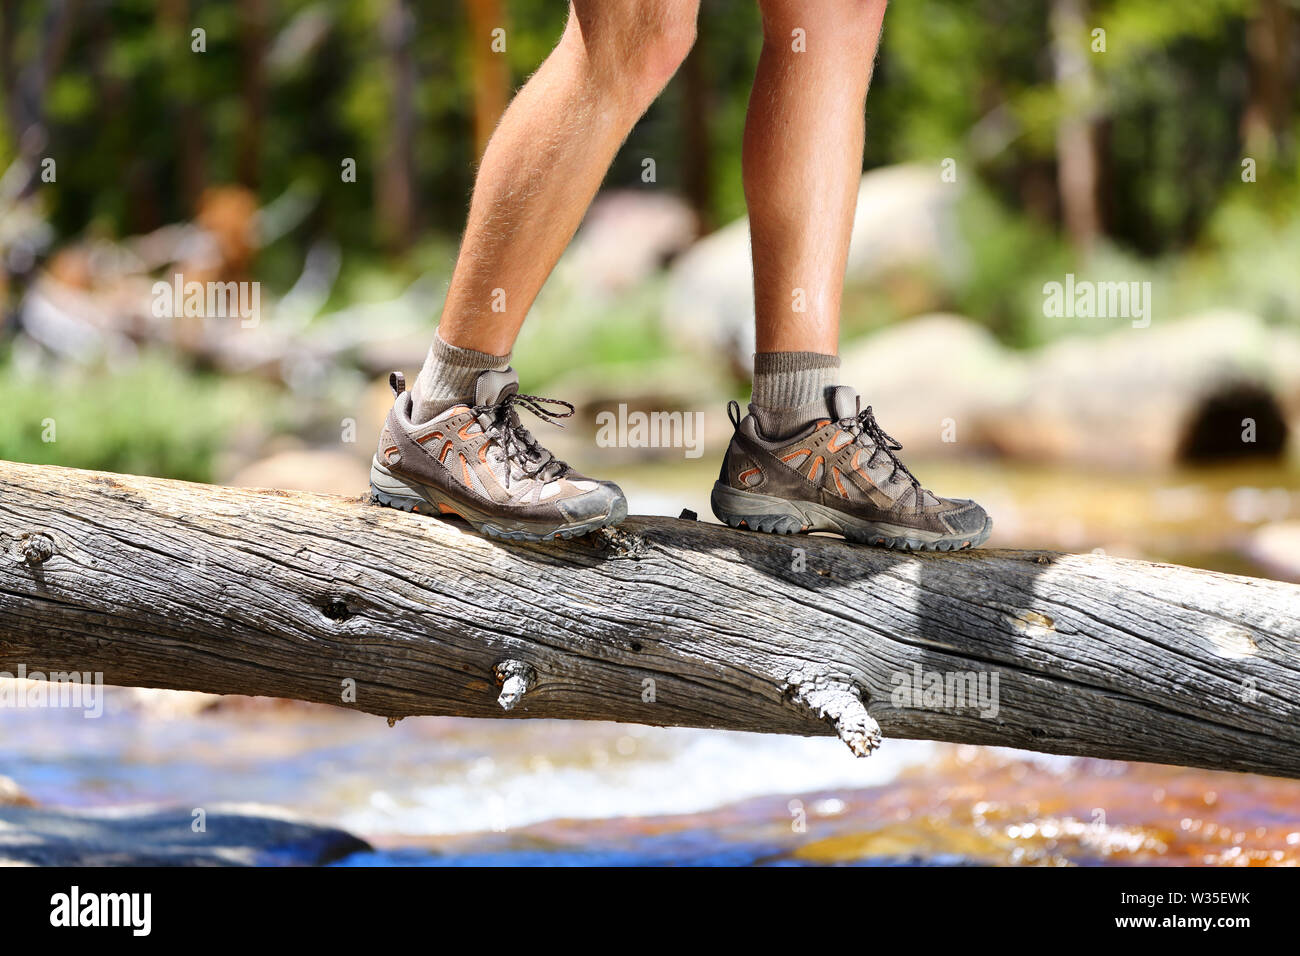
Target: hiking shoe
480 463
841 473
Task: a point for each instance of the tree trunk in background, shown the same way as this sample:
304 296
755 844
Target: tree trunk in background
25 88
9 69
1076 139
489 71
697 166
396 185
174 20
1269 40
252 55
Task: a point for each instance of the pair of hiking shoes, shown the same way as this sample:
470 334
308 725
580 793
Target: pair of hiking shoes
838 471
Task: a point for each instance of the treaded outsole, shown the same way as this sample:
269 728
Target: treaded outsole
767 524
785 524
773 515
420 506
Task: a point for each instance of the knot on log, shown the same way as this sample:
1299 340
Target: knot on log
37 548
516 679
336 610
839 704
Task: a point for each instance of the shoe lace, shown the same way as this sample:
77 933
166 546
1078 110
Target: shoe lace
864 424
515 441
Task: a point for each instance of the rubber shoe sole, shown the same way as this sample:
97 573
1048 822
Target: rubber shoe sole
755 512
392 492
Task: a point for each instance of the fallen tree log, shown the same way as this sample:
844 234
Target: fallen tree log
663 622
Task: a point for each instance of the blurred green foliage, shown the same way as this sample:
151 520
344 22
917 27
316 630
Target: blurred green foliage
970 79
146 417
140 123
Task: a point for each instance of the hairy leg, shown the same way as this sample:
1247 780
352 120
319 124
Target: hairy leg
802 162
548 156
808 457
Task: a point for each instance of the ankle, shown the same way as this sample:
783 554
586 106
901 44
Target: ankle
448 378
787 381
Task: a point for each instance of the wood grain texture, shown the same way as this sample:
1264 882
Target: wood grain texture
665 622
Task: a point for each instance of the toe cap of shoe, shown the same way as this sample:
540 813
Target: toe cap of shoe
605 500
965 517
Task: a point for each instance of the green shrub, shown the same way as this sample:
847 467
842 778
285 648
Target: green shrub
149 417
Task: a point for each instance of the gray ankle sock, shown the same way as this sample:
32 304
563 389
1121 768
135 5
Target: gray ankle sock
448 377
790 388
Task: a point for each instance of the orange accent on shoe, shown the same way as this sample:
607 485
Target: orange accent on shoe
442 457
743 477
464 468
823 423
835 473
835 442
482 452
446 510
796 454
391 455
429 437
859 469
815 467
468 424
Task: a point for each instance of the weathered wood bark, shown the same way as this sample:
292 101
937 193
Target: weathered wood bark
665 622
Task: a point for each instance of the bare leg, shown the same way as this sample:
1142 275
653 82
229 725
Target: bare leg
808 457
802 162
549 154
455 445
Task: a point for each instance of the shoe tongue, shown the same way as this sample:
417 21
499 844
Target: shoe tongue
492 386
842 401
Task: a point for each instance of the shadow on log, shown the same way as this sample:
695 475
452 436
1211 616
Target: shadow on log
664 622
